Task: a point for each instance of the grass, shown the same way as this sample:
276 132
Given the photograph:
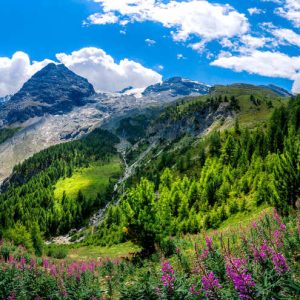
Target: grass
96 252
250 114
91 180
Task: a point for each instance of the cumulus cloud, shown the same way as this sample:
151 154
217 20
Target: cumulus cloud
150 42
207 21
265 63
105 73
287 36
291 11
102 19
15 71
255 11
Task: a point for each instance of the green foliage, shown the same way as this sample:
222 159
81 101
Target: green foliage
6 133
58 252
240 171
19 236
29 197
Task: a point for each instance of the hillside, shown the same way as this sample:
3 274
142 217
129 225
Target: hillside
35 193
199 166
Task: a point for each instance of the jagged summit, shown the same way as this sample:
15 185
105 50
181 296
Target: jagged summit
55 90
178 86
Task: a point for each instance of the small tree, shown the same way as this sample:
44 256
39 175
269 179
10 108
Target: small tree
37 239
140 209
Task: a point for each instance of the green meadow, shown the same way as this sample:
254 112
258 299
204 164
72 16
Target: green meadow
91 180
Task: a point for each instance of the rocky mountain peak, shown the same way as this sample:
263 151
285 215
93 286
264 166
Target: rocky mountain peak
177 87
54 90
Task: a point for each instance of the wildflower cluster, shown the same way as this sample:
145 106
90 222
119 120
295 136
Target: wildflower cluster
240 277
168 277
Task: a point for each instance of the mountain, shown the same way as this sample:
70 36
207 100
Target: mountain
177 87
278 90
57 106
53 90
4 99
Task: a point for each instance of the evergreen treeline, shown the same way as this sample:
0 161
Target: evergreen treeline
6 133
27 202
239 170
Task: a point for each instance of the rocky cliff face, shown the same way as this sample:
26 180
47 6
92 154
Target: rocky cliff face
53 90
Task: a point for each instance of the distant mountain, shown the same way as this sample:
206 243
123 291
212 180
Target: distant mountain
278 90
177 86
53 90
238 89
56 106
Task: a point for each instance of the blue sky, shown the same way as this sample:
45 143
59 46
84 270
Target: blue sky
132 42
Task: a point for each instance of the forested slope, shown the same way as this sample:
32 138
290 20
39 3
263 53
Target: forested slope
198 185
28 196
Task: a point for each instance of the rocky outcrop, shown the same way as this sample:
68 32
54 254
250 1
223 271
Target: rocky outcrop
193 123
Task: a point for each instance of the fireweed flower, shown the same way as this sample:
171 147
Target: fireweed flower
45 263
254 224
279 262
282 227
168 277
53 271
209 243
277 217
241 279
194 291
22 262
211 285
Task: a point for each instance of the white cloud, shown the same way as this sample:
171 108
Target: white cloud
287 35
274 1
102 19
265 63
180 56
150 42
205 20
245 44
251 43
15 71
291 11
106 74
255 11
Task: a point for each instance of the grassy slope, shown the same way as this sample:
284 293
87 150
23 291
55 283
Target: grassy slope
96 252
90 181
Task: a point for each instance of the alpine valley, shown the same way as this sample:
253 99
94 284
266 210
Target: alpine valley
180 190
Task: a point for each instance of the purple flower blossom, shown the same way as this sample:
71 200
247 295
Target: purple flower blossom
11 297
45 263
22 262
194 291
242 280
211 285
279 262
53 271
277 217
168 277
209 243
282 227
